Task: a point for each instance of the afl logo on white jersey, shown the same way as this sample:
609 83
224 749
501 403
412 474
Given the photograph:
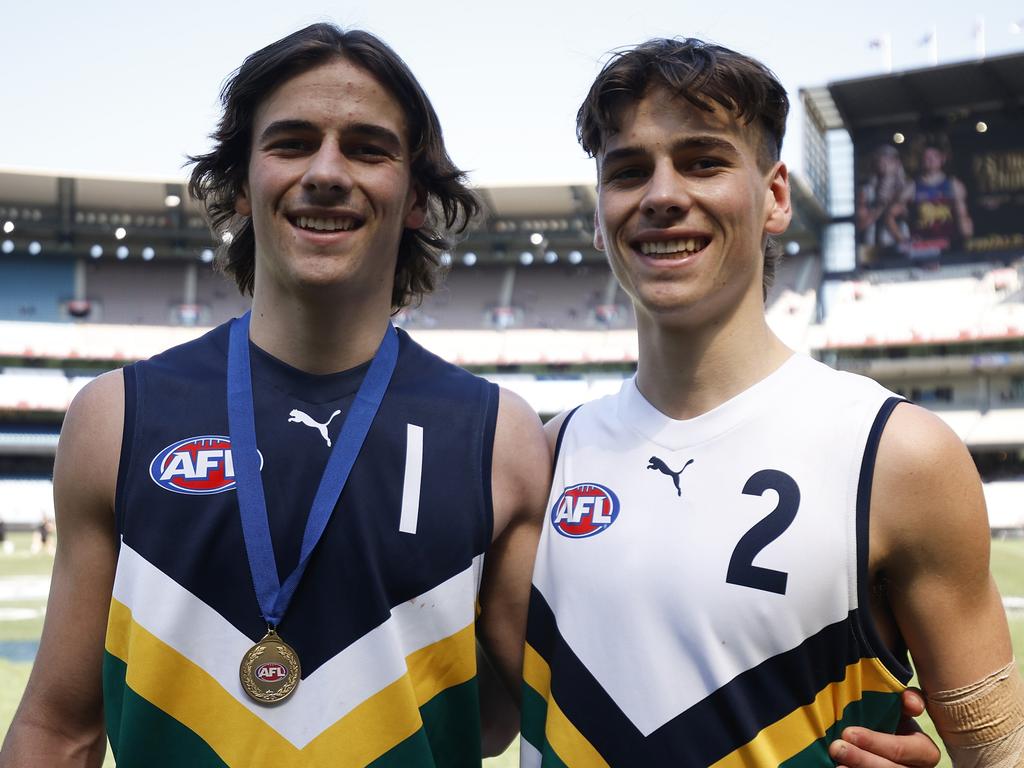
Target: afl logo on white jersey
196 465
583 510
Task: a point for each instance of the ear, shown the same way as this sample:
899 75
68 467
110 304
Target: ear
778 206
243 207
417 215
598 237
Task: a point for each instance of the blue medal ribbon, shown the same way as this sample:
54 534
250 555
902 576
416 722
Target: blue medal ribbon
274 597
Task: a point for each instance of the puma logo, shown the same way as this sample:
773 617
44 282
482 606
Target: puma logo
298 417
662 467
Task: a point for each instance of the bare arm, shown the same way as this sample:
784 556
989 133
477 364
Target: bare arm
520 480
929 545
60 719
964 221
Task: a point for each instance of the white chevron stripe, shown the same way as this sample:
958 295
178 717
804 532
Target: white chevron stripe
200 634
529 757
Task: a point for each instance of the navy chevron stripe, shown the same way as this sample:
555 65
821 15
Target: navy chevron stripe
715 726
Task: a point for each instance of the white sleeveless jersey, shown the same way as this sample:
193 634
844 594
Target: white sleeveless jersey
698 588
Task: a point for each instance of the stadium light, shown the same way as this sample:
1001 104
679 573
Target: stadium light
7 246
526 258
550 257
35 248
792 248
981 126
206 256
536 238
120 233
148 253
898 138
122 252
172 201
8 227
575 257
96 251
469 259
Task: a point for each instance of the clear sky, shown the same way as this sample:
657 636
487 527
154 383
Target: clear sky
130 88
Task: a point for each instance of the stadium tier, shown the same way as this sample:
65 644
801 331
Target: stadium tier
905 262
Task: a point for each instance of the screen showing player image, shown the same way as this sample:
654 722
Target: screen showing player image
940 197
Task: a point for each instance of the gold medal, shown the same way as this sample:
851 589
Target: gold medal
270 670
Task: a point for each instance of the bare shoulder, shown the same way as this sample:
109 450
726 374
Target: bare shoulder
90 439
521 472
926 500
554 427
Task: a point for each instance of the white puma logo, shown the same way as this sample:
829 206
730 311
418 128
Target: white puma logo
298 417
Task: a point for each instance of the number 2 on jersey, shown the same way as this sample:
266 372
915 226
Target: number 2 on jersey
742 570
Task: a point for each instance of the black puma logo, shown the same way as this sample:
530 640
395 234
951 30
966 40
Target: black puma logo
662 467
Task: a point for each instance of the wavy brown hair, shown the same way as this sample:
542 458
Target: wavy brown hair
218 176
702 73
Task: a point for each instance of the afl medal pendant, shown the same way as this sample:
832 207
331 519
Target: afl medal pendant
270 670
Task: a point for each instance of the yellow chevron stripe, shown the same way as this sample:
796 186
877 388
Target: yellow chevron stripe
786 737
198 701
568 743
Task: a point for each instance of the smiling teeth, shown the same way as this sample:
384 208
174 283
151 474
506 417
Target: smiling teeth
325 225
684 245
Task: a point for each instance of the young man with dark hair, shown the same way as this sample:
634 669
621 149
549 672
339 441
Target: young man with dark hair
272 538
742 545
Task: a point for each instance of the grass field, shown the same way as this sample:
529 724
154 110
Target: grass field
21 622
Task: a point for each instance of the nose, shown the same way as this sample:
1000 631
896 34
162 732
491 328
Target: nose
667 196
328 172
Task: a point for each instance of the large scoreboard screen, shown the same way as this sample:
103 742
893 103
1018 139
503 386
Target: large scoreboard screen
954 193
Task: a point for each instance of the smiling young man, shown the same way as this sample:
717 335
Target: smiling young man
272 538
742 544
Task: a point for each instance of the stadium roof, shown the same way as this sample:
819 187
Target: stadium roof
920 94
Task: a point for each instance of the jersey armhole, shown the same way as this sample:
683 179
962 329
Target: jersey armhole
561 434
489 397
131 397
896 663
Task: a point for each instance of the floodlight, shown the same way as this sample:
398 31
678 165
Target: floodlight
536 238
526 258
122 252
35 248
792 248
120 233
206 256
172 201
96 251
148 253
7 246
575 257
469 259
8 227
550 257
981 126
898 138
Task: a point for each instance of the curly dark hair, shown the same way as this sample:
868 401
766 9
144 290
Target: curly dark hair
701 73
218 176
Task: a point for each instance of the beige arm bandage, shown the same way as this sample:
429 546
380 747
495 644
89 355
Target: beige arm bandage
982 724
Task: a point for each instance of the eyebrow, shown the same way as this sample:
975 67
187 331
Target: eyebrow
698 143
370 130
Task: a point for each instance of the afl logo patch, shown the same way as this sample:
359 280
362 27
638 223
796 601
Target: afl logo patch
584 509
196 465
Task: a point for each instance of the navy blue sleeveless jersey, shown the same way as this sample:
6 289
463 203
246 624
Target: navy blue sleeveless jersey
383 620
